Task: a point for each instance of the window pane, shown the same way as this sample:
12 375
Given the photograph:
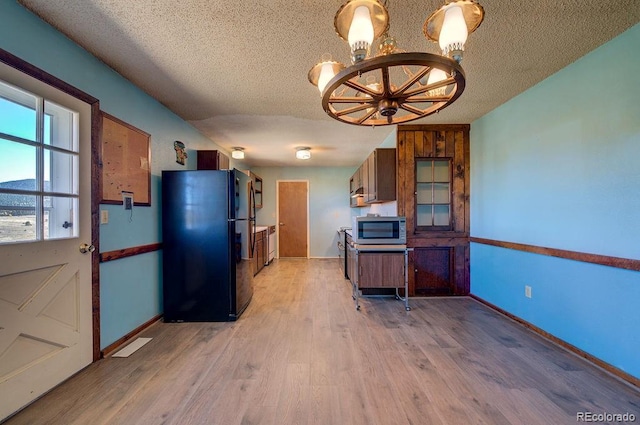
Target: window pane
60 217
17 165
441 193
60 127
424 193
423 215
441 171
17 218
423 171
441 215
60 172
17 113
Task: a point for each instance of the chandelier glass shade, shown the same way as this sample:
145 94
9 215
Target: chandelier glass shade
450 26
359 23
394 87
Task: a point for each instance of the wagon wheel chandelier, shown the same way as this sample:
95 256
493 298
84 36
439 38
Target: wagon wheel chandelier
393 86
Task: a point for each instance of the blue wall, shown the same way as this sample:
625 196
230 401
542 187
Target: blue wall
558 166
130 290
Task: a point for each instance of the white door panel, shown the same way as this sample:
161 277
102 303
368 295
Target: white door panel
45 286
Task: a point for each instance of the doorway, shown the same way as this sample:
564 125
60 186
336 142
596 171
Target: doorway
48 313
293 219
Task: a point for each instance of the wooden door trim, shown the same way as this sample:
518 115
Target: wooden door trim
278 213
96 190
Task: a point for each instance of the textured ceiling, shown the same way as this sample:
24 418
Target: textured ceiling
237 70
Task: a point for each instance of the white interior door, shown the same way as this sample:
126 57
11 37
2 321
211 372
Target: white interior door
45 210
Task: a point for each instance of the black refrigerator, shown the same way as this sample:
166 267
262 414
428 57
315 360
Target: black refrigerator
208 239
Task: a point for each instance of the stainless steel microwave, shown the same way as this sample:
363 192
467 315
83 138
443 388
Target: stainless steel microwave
379 230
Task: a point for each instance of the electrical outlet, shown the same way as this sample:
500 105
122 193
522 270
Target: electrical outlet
527 291
104 217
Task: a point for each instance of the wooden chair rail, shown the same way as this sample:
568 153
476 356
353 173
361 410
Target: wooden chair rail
129 252
604 260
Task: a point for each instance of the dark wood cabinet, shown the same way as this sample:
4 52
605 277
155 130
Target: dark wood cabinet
433 271
260 255
381 269
212 160
375 180
379 176
433 195
356 197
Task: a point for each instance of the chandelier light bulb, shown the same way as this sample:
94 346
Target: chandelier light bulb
436 75
454 32
326 74
361 33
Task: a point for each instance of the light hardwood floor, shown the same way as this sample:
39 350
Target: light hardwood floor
301 354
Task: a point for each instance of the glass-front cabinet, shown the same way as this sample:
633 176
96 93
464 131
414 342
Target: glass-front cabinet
433 194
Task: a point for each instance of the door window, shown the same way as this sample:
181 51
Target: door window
39 160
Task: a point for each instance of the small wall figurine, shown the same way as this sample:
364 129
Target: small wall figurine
181 154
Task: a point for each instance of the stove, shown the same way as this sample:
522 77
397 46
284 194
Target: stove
342 250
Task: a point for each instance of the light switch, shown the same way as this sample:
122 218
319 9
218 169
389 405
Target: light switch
104 217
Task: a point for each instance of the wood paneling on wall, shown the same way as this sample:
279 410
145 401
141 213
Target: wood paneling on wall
450 141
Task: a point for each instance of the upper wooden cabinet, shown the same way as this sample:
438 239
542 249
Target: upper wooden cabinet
379 176
212 160
433 195
356 197
375 180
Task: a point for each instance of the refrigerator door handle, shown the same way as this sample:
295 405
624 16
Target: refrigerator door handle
252 217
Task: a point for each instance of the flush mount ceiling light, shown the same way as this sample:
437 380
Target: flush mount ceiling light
303 153
393 86
237 153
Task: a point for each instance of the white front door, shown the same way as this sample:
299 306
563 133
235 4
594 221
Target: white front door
45 215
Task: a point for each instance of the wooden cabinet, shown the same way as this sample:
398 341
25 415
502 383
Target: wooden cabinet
379 176
433 269
381 270
212 160
375 180
433 195
356 198
260 253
